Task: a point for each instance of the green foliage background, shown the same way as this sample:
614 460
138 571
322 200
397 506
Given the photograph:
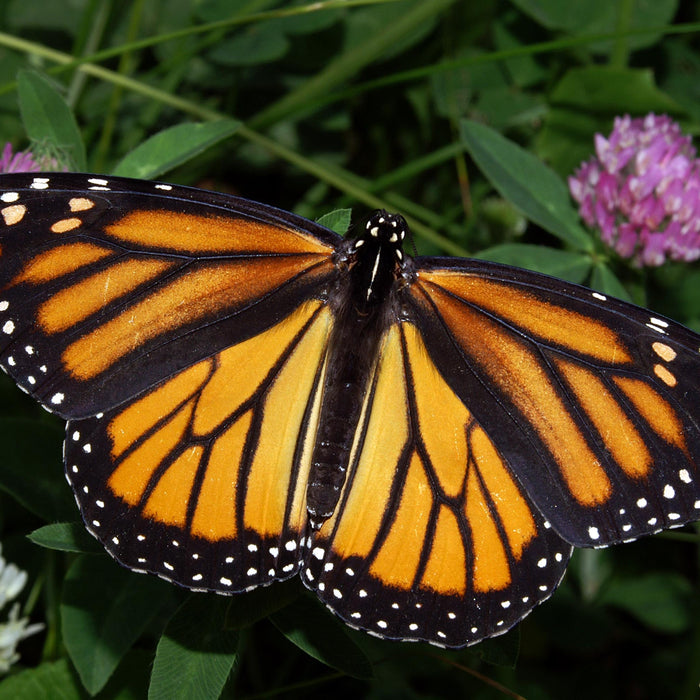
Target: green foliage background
400 104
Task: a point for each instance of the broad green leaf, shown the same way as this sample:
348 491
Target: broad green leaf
104 610
604 280
682 75
661 601
525 70
244 610
308 625
31 469
50 680
454 90
338 220
526 182
262 43
66 537
601 17
47 117
503 107
63 17
602 89
585 102
196 652
573 267
382 19
172 147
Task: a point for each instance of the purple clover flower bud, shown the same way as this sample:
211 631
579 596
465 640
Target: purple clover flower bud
19 162
642 191
24 161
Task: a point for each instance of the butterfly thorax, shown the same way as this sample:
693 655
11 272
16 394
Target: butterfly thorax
376 259
366 302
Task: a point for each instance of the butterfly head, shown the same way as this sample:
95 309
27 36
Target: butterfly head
378 256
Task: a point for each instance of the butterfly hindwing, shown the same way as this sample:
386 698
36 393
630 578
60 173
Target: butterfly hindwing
433 538
202 480
592 401
95 274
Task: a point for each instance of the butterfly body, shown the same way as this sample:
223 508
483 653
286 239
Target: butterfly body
250 397
370 269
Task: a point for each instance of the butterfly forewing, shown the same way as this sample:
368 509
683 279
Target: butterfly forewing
593 402
93 304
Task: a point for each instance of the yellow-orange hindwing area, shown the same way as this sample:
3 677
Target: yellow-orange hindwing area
202 479
593 402
433 537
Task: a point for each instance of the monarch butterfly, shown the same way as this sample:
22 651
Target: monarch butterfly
250 396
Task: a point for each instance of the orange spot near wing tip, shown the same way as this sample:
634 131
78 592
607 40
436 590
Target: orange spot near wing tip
65 225
80 204
665 352
665 375
13 214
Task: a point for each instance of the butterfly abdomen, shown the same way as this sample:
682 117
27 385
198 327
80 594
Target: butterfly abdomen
364 314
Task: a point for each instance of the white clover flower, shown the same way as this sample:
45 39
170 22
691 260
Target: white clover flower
12 632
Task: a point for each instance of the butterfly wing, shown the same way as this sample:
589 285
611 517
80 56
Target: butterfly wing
510 416
182 335
109 286
202 480
434 538
592 402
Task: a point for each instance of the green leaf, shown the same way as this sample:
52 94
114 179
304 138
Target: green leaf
104 610
602 17
586 100
454 90
66 537
244 610
31 469
602 89
308 625
682 75
172 147
573 267
661 601
338 220
258 44
526 182
47 117
604 280
196 653
51 680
